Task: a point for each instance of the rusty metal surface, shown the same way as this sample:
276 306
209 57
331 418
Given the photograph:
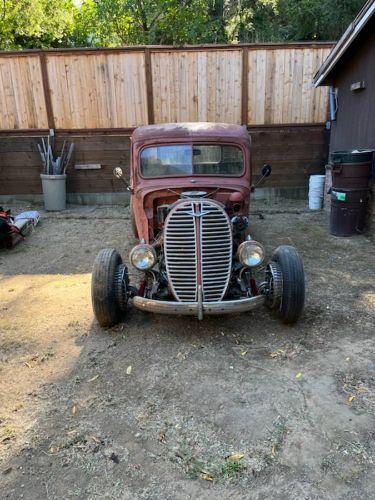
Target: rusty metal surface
192 308
190 132
145 190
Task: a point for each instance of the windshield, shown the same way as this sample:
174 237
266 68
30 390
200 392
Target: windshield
187 159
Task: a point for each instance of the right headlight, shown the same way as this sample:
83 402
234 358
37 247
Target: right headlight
143 257
251 253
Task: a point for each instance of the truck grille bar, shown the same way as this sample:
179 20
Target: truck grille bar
198 250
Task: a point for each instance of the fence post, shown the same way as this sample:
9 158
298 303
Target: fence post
149 89
46 90
244 85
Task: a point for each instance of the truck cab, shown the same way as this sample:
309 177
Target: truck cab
190 188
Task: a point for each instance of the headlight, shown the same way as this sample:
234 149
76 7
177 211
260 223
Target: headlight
143 257
250 253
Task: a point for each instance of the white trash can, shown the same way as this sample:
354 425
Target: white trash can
316 192
54 191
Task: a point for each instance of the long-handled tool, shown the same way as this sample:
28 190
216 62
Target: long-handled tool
52 165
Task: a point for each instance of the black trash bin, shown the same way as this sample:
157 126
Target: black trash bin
351 169
351 173
348 211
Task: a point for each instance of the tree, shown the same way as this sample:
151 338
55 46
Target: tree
55 23
124 22
35 23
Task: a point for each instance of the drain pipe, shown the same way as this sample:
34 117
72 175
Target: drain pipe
332 103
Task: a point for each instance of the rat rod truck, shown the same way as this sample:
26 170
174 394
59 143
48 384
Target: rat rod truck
190 186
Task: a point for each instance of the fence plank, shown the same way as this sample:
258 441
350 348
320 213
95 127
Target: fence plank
22 102
98 90
196 85
295 152
119 89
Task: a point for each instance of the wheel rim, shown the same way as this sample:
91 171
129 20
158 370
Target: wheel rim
121 286
274 279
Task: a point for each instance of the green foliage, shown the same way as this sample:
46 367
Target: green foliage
55 23
35 23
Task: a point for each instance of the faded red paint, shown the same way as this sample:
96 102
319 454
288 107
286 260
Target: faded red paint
149 193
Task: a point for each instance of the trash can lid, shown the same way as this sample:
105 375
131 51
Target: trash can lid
352 156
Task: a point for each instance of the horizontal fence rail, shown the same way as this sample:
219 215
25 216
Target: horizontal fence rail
294 151
122 88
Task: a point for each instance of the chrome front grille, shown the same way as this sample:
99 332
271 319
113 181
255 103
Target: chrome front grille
198 250
216 251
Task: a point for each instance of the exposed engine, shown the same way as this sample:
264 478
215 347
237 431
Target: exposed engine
174 267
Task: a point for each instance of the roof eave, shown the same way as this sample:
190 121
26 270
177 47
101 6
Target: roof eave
351 33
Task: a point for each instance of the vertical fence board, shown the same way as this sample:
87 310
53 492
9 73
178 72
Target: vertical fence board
123 89
280 87
22 103
98 90
197 85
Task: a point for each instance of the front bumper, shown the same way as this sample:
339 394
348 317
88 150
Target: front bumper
198 308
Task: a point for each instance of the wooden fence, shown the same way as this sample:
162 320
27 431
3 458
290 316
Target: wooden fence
76 89
295 152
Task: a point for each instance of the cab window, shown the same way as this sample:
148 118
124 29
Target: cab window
185 159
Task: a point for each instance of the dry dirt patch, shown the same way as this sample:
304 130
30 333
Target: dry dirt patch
160 407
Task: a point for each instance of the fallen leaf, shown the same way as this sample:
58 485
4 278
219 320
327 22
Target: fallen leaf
162 437
93 378
277 354
299 375
351 398
234 457
74 410
206 476
129 370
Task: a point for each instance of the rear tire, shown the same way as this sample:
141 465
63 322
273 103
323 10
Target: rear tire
106 306
293 290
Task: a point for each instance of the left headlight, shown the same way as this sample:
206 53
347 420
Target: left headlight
251 253
143 257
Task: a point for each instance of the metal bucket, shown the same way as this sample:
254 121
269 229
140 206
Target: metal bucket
348 211
351 169
54 191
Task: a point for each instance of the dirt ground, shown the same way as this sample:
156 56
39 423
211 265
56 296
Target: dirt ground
172 408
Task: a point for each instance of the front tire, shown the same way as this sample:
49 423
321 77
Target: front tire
293 283
105 287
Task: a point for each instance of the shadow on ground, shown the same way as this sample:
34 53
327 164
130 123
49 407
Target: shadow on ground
153 407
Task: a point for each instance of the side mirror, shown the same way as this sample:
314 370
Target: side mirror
266 170
117 172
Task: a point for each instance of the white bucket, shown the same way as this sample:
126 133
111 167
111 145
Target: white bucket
316 192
